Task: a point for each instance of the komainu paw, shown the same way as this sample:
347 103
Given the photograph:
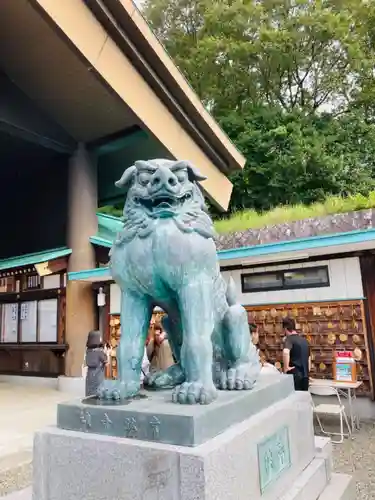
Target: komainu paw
194 393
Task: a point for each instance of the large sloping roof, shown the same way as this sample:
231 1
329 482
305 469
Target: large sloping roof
98 71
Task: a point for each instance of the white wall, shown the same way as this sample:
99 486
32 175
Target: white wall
344 275
115 299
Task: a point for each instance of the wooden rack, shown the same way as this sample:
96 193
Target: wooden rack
328 327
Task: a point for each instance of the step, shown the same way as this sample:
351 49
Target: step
323 447
310 483
341 487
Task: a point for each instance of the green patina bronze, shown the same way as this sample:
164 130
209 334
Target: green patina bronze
166 256
273 457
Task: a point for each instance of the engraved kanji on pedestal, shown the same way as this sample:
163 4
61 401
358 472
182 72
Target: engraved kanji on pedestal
85 418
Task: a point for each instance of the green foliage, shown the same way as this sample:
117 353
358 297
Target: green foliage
294 53
250 219
293 158
111 210
290 81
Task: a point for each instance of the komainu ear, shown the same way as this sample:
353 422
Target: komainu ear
143 165
126 177
193 172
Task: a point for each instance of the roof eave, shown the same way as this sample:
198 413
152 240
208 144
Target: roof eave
120 18
324 244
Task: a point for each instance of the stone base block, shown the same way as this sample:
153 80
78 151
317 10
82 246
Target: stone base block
153 416
75 386
259 458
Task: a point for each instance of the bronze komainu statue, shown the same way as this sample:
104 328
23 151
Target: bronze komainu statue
166 256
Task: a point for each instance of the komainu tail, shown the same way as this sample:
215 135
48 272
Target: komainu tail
231 292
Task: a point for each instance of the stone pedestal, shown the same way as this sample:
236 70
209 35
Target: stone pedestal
266 454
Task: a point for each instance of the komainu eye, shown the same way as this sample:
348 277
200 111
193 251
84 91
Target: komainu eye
144 179
181 176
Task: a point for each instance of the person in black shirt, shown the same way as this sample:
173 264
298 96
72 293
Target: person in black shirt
296 356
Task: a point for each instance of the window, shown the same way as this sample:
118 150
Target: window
8 284
9 323
262 281
308 277
51 281
29 321
47 315
31 282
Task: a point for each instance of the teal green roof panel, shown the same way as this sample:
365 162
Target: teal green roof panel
108 227
90 274
322 241
34 258
100 242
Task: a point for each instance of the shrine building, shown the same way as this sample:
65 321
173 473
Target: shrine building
86 89
320 272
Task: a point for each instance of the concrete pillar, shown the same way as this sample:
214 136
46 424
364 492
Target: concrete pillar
82 223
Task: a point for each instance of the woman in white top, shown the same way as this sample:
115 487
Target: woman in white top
267 368
145 367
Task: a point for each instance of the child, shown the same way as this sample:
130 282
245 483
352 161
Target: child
96 359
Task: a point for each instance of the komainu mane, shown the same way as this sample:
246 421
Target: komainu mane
165 256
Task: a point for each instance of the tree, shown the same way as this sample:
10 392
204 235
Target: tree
290 81
292 158
297 54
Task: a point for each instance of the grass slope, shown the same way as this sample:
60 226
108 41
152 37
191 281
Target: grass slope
249 219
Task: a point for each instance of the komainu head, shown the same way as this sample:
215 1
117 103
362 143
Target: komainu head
160 189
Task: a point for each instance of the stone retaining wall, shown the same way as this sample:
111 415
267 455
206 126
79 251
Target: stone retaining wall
330 224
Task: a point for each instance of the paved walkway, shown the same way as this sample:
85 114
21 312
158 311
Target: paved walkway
25 410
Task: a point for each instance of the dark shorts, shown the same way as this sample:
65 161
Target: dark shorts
301 383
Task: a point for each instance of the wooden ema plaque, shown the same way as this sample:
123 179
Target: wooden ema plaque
114 339
329 327
344 367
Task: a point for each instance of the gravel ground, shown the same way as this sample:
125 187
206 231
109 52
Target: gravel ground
15 479
356 457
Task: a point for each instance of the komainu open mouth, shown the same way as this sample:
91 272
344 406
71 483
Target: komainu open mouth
163 202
